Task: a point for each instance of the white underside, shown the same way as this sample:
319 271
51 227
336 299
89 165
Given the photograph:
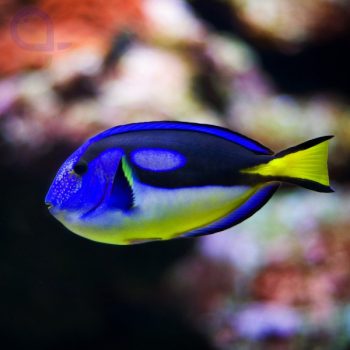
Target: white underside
160 213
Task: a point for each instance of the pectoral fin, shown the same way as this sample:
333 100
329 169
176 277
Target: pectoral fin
121 195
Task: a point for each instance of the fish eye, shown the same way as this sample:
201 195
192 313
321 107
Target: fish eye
80 168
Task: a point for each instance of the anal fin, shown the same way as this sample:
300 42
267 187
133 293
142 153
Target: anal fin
247 209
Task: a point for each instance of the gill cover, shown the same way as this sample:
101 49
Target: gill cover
82 194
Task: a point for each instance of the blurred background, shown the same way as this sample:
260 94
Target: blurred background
275 70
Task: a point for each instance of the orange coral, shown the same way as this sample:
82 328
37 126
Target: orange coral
283 282
317 286
32 36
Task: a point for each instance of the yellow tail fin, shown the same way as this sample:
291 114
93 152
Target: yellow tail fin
305 165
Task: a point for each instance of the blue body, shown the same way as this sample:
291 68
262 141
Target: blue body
159 180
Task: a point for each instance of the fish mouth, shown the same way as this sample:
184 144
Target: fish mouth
51 208
49 205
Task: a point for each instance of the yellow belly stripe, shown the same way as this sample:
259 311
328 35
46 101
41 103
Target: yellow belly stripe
165 214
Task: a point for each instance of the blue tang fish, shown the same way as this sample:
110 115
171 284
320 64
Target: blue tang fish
162 180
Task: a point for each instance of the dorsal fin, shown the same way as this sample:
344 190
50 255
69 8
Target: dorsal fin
204 128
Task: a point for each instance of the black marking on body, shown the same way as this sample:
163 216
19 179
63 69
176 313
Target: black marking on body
210 160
